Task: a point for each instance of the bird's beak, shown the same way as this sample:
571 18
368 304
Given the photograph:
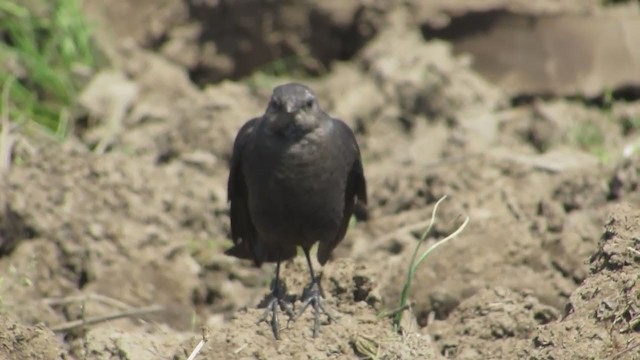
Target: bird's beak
290 108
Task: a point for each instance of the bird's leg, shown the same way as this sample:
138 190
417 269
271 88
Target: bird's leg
276 298
313 296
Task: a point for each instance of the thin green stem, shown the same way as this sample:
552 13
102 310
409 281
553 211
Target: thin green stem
413 264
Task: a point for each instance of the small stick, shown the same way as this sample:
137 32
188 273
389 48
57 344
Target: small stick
532 162
238 350
636 345
512 205
633 250
64 327
93 296
205 338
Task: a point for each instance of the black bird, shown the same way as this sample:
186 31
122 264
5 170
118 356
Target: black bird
296 176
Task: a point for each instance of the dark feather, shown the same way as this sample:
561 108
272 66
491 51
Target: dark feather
355 192
243 232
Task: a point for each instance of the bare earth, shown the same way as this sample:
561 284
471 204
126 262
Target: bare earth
131 211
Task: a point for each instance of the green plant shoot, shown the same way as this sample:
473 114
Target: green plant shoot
416 261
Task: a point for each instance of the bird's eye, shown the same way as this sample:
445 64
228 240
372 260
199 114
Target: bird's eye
275 105
308 104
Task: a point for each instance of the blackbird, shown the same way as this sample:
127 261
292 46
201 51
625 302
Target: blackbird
296 177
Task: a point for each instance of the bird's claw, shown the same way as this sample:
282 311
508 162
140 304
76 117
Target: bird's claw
313 297
272 308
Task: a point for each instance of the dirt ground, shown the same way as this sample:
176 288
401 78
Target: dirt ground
129 216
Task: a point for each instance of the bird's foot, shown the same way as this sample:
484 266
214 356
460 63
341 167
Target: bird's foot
313 296
276 300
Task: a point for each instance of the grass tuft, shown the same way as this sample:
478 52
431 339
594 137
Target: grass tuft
590 138
417 260
366 347
44 45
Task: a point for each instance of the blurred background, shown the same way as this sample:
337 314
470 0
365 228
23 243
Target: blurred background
117 119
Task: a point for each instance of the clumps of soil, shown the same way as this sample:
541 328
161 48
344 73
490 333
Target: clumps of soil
357 331
601 316
19 341
490 324
236 38
625 181
107 225
218 40
598 320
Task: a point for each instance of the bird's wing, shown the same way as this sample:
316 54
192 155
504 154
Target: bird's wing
243 232
355 190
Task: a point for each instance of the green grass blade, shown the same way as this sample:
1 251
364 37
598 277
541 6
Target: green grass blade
441 242
413 264
47 40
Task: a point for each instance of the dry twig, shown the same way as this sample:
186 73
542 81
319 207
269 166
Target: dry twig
87 297
64 327
196 350
632 347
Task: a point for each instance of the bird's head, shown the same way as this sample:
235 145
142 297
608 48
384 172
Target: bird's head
293 108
